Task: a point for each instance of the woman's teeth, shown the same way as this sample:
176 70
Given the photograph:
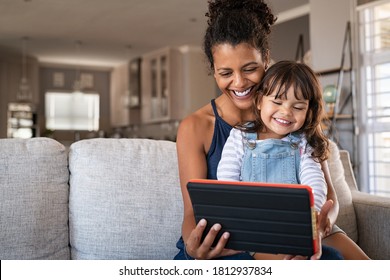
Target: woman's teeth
242 93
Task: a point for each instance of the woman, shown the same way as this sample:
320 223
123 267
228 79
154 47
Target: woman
236 45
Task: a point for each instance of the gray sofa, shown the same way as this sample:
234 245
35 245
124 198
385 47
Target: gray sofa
121 199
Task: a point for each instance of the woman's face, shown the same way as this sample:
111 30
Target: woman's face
238 70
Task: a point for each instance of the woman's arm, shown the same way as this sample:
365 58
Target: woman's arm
194 134
192 164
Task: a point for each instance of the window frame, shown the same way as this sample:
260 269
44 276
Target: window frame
370 127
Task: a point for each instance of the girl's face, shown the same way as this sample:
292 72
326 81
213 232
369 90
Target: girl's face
282 116
238 70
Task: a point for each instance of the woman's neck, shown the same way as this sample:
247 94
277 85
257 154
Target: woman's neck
231 114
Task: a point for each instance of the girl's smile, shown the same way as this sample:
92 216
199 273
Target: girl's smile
282 116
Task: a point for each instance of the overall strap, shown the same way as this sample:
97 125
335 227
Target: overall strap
249 140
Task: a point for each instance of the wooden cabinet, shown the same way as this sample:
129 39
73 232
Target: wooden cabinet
160 80
174 83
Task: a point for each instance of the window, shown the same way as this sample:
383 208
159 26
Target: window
374 32
72 111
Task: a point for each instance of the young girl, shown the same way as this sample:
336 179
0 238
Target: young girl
284 144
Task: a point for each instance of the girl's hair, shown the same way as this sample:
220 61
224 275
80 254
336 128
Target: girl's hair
278 79
235 22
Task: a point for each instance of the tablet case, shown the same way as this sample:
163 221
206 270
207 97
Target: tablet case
260 217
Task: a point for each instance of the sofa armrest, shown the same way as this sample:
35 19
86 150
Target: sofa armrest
373 216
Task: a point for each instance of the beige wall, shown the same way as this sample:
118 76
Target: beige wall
328 20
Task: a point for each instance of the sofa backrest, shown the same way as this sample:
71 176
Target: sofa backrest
33 199
125 199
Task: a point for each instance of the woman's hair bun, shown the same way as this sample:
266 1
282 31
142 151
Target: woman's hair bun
257 8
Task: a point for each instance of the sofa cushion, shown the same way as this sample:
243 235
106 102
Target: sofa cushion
125 200
34 199
346 219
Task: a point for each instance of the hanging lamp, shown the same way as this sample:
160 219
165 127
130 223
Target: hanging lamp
24 93
77 88
126 97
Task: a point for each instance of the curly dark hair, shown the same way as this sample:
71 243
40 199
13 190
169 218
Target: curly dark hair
279 78
235 22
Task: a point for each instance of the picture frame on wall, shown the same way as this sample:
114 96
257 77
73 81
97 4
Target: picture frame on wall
58 79
135 83
86 80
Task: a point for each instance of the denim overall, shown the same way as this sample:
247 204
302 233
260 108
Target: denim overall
271 160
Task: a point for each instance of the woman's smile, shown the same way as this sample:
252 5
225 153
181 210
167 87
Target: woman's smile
242 93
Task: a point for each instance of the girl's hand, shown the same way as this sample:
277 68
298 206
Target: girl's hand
204 250
323 221
324 227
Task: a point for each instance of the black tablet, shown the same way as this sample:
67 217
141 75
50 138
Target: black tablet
260 217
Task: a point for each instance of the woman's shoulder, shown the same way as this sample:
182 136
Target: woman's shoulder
200 119
197 125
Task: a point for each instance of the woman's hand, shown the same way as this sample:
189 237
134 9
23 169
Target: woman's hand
204 250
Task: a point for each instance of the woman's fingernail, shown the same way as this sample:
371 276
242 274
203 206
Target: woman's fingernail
226 235
202 222
217 227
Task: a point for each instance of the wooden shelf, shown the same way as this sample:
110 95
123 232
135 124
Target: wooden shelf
332 71
340 116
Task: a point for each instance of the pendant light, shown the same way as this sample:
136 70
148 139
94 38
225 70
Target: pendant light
24 93
77 82
127 93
